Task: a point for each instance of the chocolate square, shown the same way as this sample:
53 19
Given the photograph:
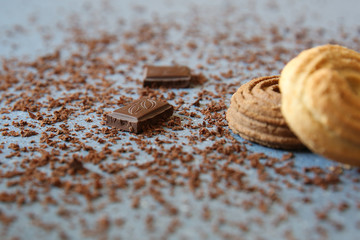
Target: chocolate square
167 76
139 115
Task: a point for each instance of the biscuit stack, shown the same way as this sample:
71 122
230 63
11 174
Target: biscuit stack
255 114
320 103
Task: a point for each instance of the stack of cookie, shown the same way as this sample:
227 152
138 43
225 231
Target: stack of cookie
319 102
255 114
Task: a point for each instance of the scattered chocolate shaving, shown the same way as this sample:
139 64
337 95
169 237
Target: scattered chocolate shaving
59 153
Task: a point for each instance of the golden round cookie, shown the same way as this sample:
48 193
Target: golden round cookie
255 115
321 101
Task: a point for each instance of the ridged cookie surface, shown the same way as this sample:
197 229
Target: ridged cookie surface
255 115
321 101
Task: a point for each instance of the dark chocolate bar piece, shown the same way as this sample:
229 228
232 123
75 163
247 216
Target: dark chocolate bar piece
139 115
167 76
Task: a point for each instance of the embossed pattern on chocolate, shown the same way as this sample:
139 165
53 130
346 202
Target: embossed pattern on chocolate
139 115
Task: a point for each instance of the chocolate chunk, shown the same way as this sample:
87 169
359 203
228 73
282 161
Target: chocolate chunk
167 76
139 115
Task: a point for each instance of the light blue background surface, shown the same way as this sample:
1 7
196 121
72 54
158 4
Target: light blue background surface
47 17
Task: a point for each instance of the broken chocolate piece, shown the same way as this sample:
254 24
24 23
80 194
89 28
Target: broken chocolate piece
139 115
167 76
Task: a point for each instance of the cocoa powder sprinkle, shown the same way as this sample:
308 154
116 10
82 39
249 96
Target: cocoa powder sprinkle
189 175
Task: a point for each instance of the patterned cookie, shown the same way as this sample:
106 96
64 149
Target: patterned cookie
255 115
321 101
